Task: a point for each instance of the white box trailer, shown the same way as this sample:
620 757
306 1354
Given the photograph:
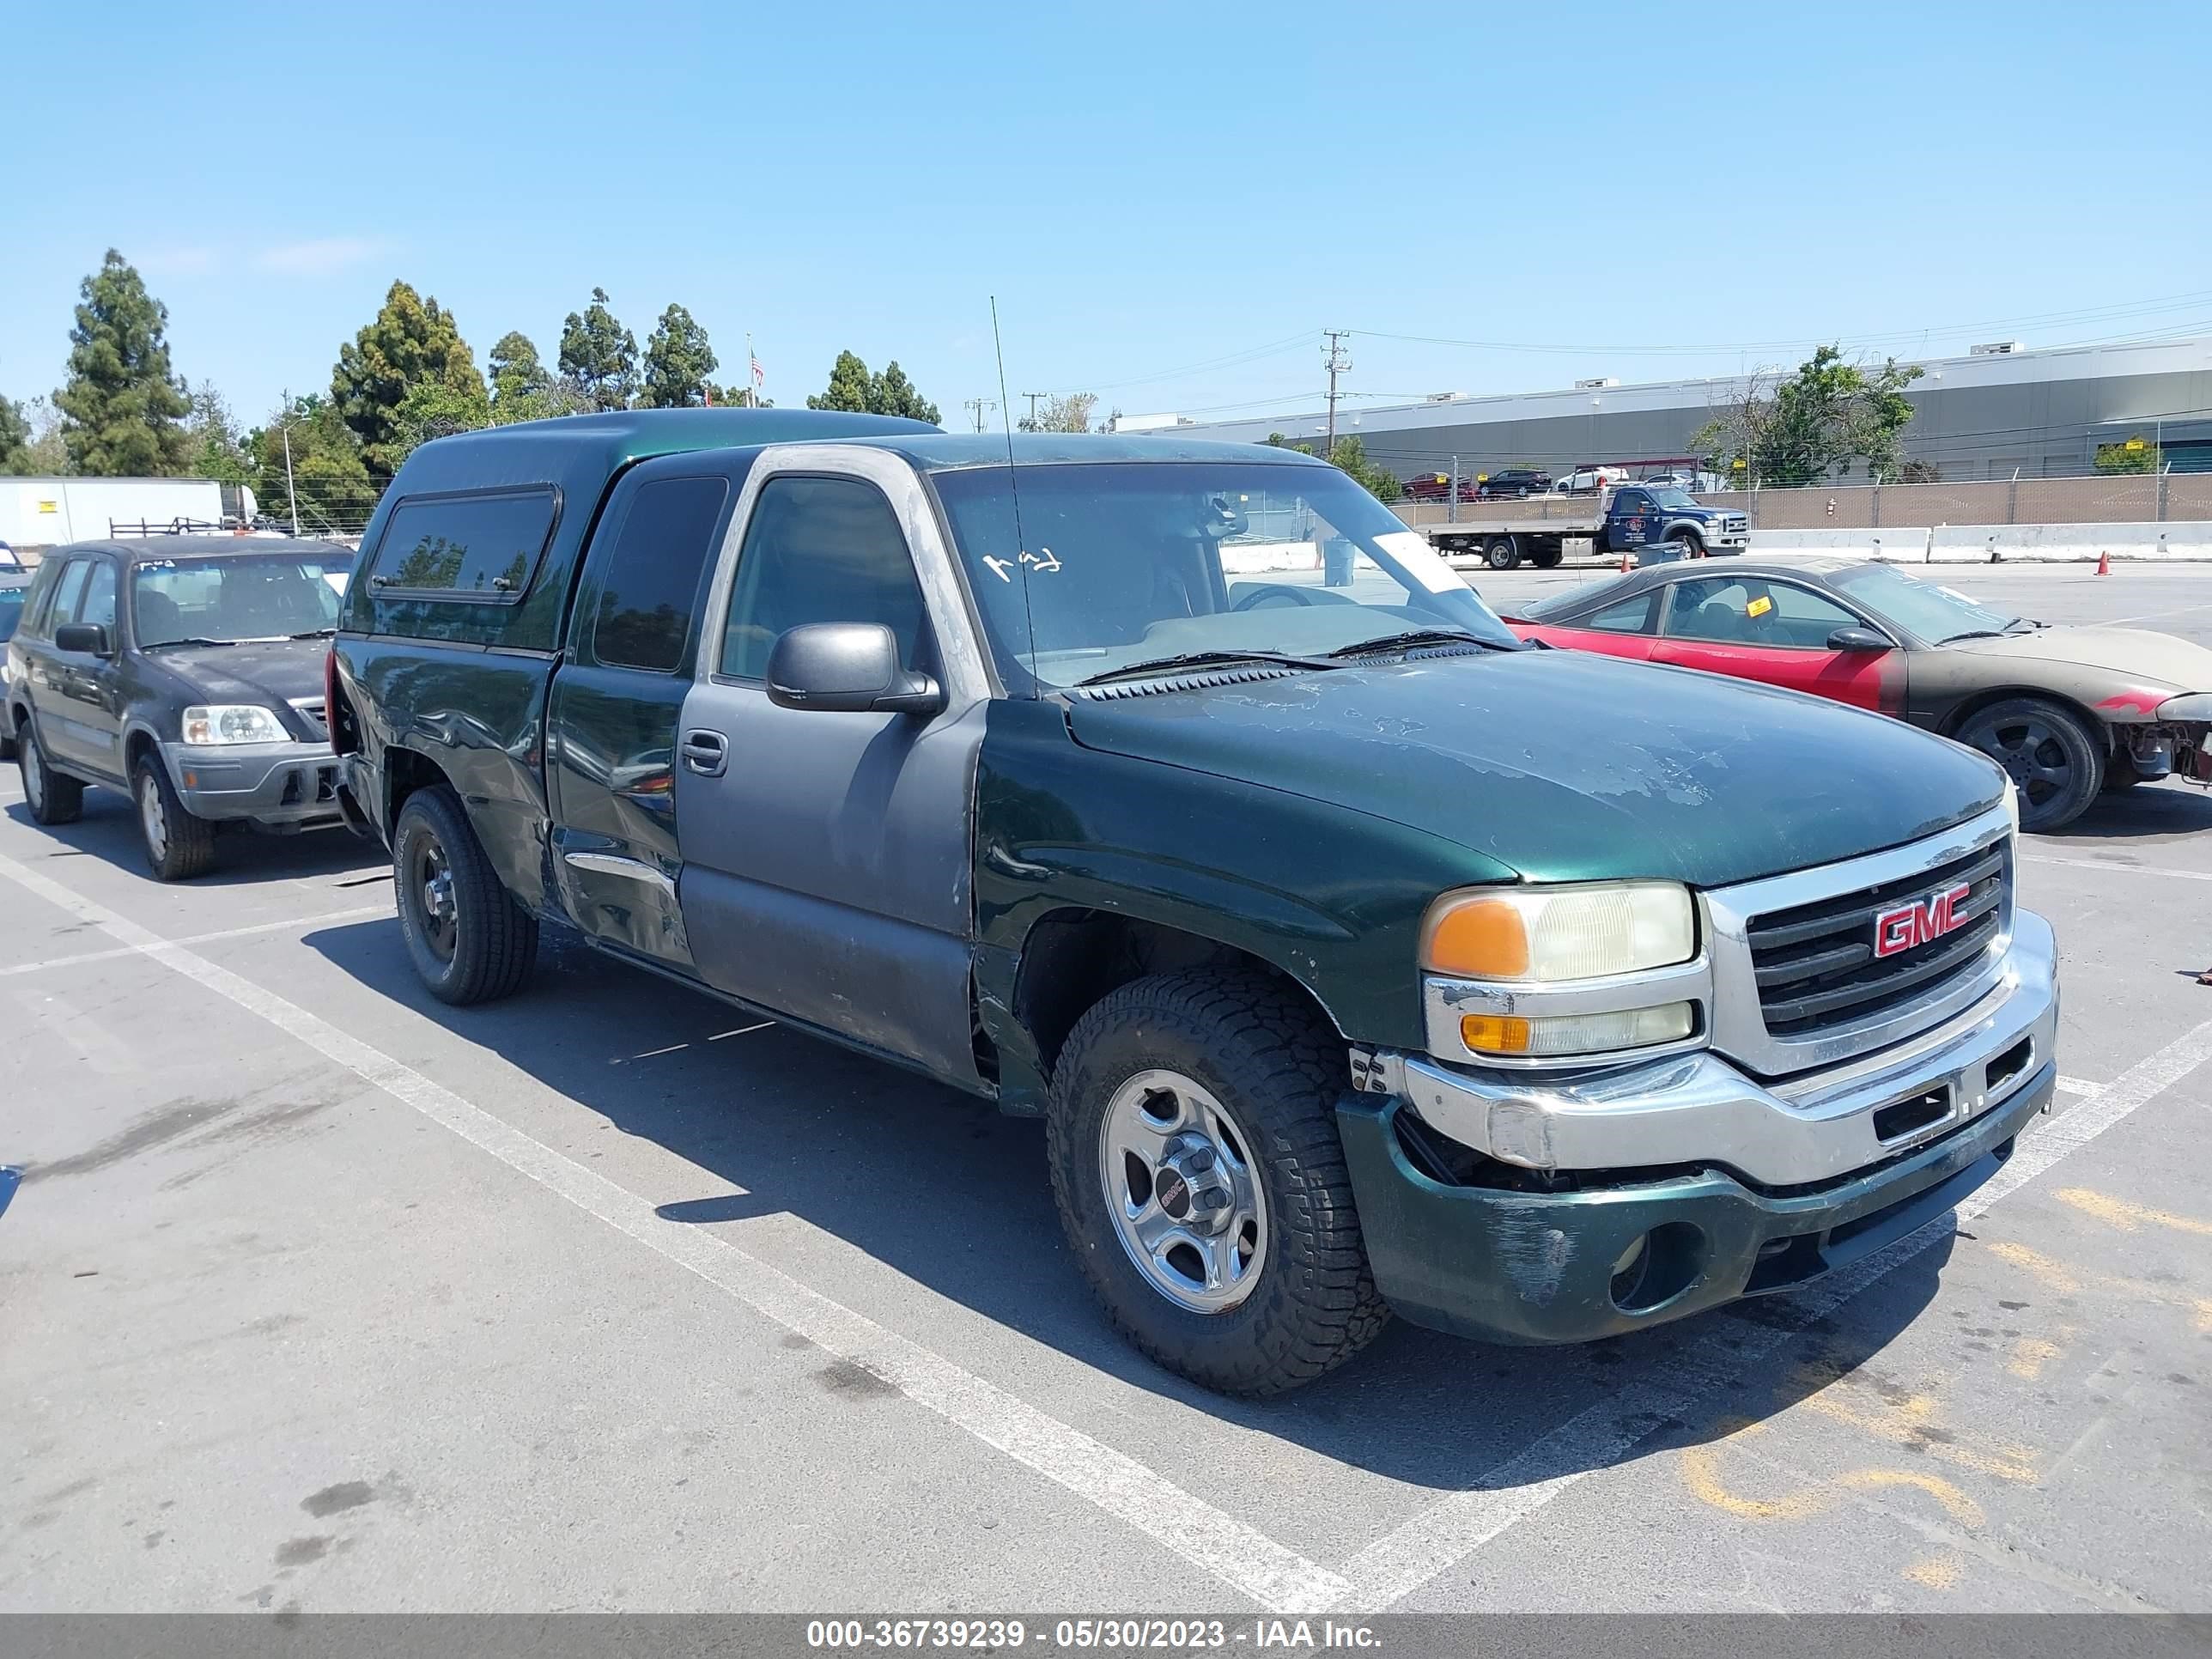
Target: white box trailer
48 511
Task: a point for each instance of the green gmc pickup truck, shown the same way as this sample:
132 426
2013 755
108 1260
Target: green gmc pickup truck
1358 957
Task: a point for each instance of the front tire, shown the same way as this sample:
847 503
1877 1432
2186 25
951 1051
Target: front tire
53 796
470 940
2053 760
1503 553
1200 1178
1689 546
178 845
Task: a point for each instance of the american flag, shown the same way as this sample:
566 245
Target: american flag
760 374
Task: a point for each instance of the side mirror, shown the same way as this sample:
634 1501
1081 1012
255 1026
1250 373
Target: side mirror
849 667
1858 639
88 637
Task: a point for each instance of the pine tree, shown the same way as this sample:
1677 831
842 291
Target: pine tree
677 360
849 387
410 343
14 439
122 408
599 354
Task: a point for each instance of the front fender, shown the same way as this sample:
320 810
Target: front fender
1330 896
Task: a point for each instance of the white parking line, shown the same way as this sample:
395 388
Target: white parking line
51 962
2075 1085
2111 868
1245 1559
1593 1440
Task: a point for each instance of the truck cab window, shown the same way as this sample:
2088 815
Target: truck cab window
484 544
820 550
98 605
651 587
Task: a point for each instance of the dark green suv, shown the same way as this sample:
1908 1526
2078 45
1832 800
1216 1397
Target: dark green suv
1358 956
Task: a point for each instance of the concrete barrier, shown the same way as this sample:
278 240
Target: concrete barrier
1972 544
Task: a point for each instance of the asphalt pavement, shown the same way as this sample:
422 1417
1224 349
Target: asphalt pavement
320 1295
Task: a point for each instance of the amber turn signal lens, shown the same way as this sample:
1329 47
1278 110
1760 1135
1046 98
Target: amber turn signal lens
1486 938
1494 1034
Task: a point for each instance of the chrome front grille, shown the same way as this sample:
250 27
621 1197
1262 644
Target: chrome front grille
1798 980
1818 964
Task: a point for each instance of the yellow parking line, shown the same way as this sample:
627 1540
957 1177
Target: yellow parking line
2128 1217
2064 1281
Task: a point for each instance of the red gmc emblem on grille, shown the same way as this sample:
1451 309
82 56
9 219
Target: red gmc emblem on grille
1917 923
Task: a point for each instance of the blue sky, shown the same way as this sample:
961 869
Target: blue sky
1169 200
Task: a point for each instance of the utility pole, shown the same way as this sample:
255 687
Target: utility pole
1338 360
1033 397
291 495
976 406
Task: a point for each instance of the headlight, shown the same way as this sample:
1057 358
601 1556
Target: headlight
233 722
1547 935
2189 708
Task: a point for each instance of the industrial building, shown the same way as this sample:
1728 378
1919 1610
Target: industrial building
2002 411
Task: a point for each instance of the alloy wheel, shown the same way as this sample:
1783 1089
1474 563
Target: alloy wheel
152 818
1185 1200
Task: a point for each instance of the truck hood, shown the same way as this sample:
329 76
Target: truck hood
274 673
1568 766
2134 656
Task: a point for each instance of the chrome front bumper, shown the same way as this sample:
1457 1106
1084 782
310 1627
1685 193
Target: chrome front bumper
1696 1109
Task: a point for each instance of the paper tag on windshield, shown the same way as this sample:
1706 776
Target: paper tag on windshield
1423 563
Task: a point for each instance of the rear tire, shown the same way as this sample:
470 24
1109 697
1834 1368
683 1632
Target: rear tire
1503 553
1204 1049
1547 558
470 940
178 846
2055 761
53 796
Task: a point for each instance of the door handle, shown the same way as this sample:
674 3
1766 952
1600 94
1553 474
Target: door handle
707 753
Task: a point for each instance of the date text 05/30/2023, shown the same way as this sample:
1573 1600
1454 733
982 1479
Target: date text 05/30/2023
1162 1635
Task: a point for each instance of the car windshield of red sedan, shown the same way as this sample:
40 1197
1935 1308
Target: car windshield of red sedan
1937 615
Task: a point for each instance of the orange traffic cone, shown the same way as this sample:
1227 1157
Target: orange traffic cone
1627 561
2104 563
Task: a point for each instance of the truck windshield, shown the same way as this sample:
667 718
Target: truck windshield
251 597
1670 496
1936 614
1123 562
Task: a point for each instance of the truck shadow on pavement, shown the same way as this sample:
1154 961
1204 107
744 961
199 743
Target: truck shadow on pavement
109 831
945 1190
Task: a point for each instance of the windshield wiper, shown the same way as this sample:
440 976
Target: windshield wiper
2027 622
1200 659
193 639
1975 634
314 634
1413 637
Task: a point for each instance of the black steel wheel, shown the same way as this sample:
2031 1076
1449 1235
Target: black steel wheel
1503 553
470 940
2055 761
